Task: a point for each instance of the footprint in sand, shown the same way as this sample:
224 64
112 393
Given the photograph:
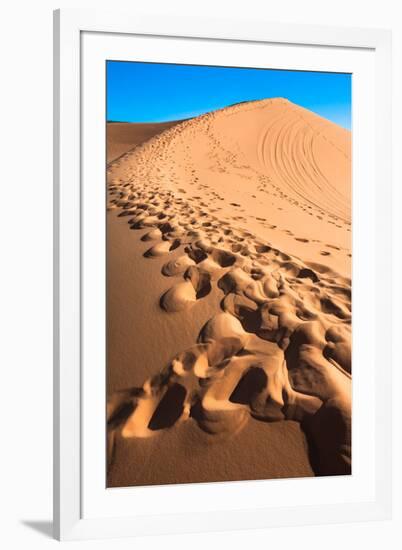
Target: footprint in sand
162 248
196 285
277 344
301 240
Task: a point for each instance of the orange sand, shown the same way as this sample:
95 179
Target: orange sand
123 136
229 297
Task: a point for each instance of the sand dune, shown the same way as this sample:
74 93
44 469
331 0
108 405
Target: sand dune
241 227
123 136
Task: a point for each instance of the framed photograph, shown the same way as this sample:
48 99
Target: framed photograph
222 274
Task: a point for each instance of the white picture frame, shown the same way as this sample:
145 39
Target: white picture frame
83 508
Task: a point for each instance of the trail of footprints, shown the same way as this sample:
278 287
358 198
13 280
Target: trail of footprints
278 348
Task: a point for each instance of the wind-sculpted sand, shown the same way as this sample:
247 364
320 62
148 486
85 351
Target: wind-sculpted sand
241 224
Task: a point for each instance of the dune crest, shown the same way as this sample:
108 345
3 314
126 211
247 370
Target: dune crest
253 202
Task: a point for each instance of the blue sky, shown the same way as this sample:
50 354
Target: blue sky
158 92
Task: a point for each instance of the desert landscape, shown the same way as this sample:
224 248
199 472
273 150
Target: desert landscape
229 297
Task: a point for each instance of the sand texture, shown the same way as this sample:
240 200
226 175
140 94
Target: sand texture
229 298
123 136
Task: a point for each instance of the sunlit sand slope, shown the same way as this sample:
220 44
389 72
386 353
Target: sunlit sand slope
247 212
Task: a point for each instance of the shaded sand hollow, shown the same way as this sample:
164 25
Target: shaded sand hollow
123 136
229 298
